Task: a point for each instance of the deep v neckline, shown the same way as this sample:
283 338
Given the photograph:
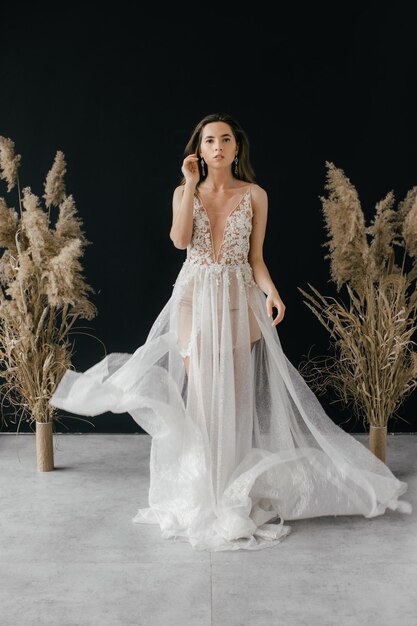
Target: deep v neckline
216 257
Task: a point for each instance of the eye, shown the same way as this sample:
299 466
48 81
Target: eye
227 138
209 140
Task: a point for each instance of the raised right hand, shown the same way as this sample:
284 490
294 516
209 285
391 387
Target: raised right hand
190 169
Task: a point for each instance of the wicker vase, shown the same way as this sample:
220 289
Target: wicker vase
378 441
44 447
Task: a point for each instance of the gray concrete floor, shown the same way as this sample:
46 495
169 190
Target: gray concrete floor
70 554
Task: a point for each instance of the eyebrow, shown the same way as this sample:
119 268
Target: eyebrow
212 136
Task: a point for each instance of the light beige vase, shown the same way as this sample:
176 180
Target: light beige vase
378 441
44 446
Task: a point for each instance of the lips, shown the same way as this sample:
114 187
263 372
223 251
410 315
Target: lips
219 156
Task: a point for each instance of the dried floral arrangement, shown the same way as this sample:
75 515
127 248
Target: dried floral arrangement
374 365
43 291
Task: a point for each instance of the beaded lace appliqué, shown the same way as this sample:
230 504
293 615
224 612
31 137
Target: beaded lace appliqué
234 248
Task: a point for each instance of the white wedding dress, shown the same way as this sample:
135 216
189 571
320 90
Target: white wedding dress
241 444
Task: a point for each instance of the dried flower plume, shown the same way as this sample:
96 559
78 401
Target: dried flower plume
410 229
54 183
9 162
8 225
345 224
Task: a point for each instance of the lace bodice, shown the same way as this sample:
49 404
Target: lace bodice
234 247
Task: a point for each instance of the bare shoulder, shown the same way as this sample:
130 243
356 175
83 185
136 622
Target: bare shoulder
259 197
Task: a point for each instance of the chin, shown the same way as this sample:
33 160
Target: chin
220 165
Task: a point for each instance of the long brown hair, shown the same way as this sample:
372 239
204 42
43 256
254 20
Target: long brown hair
244 168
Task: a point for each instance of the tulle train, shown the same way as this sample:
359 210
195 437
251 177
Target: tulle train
241 444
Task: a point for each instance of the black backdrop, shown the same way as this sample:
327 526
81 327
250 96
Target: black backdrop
119 95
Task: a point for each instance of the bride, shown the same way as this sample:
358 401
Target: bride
240 443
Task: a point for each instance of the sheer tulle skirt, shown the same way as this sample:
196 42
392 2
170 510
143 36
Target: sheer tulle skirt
241 444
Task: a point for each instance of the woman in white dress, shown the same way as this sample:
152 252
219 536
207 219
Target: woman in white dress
240 443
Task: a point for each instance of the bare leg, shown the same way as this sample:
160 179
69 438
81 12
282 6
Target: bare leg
187 364
186 359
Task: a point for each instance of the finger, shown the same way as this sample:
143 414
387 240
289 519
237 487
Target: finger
278 319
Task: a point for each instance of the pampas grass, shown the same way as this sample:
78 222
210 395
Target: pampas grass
43 291
374 365
9 162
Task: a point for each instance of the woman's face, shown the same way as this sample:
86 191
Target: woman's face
218 145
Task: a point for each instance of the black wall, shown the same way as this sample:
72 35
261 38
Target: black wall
120 96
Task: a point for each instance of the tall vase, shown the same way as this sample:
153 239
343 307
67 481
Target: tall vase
378 441
44 446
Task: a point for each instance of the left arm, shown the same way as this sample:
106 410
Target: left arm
260 270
